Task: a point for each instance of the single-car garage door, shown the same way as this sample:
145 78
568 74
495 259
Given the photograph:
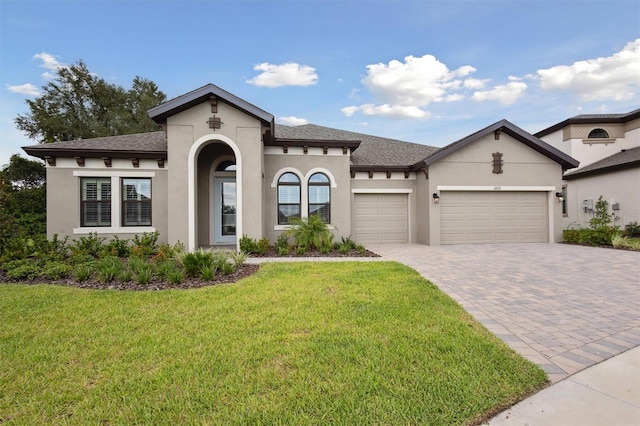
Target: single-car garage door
493 217
381 218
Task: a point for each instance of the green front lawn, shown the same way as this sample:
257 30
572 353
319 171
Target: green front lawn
297 343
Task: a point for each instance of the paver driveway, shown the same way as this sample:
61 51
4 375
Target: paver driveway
563 307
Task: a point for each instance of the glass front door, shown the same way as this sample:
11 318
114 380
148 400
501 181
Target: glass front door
225 207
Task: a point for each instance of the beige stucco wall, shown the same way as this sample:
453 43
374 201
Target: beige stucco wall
471 166
304 165
190 126
63 206
621 187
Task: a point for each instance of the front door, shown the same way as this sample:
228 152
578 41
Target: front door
224 210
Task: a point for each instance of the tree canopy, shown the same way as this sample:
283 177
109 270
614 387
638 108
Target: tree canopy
22 199
80 105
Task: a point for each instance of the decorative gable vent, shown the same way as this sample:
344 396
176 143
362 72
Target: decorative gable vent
214 122
497 162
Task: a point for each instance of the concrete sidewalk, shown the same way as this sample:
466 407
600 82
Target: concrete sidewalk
605 394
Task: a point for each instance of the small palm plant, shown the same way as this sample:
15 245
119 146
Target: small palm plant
310 233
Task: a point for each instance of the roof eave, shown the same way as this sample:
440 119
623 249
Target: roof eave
160 113
351 144
602 170
43 152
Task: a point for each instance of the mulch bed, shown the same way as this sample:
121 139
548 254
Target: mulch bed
243 271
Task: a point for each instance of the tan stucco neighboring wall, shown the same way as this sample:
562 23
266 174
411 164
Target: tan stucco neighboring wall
471 166
616 187
239 129
379 183
337 166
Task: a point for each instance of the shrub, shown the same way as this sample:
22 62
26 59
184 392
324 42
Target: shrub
145 245
221 258
282 243
176 276
208 273
632 229
56 270
118 247
21 269
301 250
310 233
248 244
108 268
126 275
263 246
83 272
144 275
325 249
572 236
228 268
238 258
91 245
195 261
283 251
164 268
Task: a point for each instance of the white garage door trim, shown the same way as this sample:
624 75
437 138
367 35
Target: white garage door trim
406 191
550 190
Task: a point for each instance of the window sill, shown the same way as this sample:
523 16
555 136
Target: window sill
598 141
114 230
286 227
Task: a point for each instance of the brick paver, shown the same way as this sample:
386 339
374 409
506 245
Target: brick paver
563 307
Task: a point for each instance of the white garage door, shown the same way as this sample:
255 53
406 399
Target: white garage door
493 217
381 218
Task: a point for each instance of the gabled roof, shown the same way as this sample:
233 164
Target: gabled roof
140 145
591 119
625 159
373 152
160 113
512 130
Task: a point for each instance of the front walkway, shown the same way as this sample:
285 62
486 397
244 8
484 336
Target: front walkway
563 307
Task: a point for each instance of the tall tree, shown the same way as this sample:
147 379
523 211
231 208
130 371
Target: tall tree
80 105
22 199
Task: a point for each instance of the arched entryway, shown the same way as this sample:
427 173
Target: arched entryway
215 195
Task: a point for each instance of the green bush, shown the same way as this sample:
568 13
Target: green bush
144 245
126 275
56 270
91 245
176 276
208 273
310 233
632 230
248 244
194 262
238 258
83 272
262 246
118 247
282 243
144 275
228 268
108 268
21 269
283 251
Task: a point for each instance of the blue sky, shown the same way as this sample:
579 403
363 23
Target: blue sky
422 71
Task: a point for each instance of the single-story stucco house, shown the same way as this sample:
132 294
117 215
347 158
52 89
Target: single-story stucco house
221 168
608 149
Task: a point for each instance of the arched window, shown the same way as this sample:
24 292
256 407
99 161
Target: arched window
320 197
598 134
226 166
288 198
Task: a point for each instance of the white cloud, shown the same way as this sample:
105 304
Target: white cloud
414 82
474 83
506 94
293 121
615 77
404 89
288 74
24 89
49 62
394 111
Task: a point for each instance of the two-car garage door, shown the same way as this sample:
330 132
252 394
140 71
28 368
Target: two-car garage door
468 217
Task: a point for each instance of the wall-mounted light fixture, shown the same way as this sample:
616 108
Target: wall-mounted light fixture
436 198
560 196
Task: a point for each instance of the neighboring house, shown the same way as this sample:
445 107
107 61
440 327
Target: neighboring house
608 148
222 168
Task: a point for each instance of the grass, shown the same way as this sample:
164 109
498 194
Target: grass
297 343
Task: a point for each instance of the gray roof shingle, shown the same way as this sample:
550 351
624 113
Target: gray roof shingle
149 144
625 159
373 150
